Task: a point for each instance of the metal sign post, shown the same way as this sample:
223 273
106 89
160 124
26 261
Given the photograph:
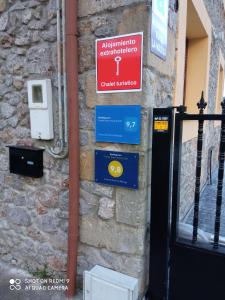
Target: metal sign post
160 202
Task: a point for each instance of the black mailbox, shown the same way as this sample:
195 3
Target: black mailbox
25 160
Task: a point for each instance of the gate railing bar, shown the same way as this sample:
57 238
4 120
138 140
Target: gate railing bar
221 241
209 167
201 106
176 174
219 196
176 187
205 117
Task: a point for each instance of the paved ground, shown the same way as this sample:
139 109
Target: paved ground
208 207
7 273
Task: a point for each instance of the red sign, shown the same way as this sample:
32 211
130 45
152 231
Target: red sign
119 63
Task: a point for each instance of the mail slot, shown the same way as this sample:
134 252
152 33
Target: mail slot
27 161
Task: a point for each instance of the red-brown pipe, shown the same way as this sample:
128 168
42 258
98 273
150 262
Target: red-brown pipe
74 151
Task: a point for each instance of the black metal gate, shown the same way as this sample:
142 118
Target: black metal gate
184 265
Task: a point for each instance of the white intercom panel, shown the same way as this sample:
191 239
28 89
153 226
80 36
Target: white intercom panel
104 284
40 105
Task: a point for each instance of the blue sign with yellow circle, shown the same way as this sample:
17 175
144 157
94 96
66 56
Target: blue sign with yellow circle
117 168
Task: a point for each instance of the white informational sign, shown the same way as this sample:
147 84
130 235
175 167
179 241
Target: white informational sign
159 28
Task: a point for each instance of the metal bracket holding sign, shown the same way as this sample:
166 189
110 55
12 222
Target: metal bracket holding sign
159 28
118 124
117 168
119 63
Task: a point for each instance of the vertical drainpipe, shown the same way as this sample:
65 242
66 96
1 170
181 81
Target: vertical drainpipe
74 151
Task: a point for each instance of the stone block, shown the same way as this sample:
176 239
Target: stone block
6 135
88 203
105 30
88 257
65 166
2 5
23 40
131 207
86 118
41 210
84 138
86 53
16 64
106 208
27 15
86 165
57 262
4 21
97 189
134 19
48 223
17 6
35 234
18 84
18 216
45 248
37 24
27 249
64 200
13 98
4 163
144 170
20 200
6 110
112 236
13 121
2 178
102 25
90 7
39 59
47 196
59 241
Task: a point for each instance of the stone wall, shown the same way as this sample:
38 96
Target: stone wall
114 221
33 212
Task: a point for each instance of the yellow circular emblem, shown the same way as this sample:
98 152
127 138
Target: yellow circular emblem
115 168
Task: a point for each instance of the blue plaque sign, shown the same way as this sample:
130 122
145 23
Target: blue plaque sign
159 33
117 168
118 124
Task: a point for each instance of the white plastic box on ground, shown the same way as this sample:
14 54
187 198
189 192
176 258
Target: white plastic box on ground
102 283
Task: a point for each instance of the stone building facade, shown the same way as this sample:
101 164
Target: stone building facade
34 212
114 222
